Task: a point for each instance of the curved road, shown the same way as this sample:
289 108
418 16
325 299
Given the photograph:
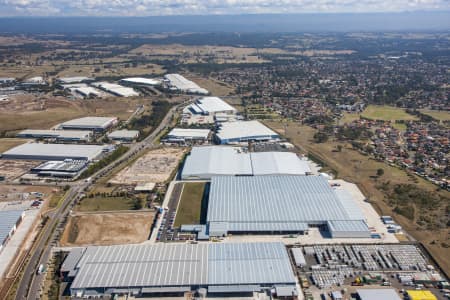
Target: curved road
29 285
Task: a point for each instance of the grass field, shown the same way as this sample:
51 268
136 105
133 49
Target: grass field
106 204
8 143
189 209
354 167
438 115
386 113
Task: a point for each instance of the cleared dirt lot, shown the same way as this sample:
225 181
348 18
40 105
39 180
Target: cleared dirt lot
107 228
155 166
12 169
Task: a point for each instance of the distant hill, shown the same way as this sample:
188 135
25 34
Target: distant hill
368 22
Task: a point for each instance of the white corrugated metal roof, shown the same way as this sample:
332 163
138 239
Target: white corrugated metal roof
207 161
183 84
141 80
8 220
204 162
116 89
68 134
273 202
210 105
55 151
299 258
127 134
354 211
189 133
273 163
173 265
377 294
101 122
245 130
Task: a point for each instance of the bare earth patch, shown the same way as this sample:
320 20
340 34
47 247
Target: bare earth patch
155 166
107 228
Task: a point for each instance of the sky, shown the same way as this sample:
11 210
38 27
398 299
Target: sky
209 7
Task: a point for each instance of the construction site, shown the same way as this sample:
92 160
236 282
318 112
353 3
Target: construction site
156 166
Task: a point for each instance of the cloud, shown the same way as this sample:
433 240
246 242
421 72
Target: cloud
192 7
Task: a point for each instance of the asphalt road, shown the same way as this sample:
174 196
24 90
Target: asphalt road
29 285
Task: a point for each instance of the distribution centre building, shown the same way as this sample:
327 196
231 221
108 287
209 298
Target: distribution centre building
124 135
140 81
37 151
187 135
244 131
177 82
116 89
204 162
97 124
60 135
281 204
209 106
9 220
169 268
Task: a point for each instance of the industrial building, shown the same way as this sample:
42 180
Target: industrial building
299 258
140 81
59 135
281 204
209 106
187 136
73 79
97 124
60 169
169 268
244 131
37 151
204 162
124 135
116 89
377 294
4 81
9 220
176 82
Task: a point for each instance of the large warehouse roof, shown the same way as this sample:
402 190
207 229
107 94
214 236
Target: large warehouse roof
90 122
141 81
165 267
8 219
275 203
57 134
377 294
205 162
243 131
189 133
271 163
181 83
36 151
116 89
210 105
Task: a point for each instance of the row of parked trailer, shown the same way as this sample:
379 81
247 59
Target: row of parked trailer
369 257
